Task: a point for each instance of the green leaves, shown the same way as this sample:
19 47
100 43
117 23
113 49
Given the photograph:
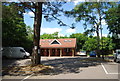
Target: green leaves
106 43
90 44
13 31
113 21
81 38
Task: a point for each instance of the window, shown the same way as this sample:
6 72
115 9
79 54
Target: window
67 49
49 40
21 50
53 50
118 52
65 40
55 42
69 40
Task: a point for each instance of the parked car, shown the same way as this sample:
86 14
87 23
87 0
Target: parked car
117 56
14 52
93 54
82 53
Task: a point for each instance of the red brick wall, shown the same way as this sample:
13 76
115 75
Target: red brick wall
56 52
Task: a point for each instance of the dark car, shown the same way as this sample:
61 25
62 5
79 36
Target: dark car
93 54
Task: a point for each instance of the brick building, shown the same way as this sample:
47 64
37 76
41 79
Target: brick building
58 47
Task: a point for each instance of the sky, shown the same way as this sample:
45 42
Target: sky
51 27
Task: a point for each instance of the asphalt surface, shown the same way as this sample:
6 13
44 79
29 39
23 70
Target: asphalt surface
69 68
109 68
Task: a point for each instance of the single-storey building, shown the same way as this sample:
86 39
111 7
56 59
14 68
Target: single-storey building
58 47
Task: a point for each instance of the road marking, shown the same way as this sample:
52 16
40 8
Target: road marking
106 70
27 77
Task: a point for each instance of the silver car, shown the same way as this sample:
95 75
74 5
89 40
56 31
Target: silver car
117 56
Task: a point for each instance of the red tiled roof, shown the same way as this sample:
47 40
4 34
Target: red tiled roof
63 43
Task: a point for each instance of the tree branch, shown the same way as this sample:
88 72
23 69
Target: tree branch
61 23
28 6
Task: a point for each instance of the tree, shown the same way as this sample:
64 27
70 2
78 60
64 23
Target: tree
29 43
90 44
15 33
50 11
81 38
92 14
50 36
107 44
113 21
29 32
14 29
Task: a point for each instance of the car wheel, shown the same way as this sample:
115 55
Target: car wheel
117 60
25 57
4 57
114 60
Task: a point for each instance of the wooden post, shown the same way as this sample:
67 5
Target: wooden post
56 52
45 52
49 52
72 52
60 52
63 51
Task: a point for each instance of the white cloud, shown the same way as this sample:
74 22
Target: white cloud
71 30
50 30
30 14
77 1
103 22
12 0
103 35
59 34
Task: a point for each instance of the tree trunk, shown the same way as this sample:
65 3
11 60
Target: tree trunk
36 57
98 27
98 41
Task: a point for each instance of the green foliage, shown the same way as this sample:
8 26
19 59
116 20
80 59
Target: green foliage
106 43
113 21
91 14
90 44
52 36
14 32
29 31
49 36
81 38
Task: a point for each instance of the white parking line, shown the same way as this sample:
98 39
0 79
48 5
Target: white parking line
106 70
27 77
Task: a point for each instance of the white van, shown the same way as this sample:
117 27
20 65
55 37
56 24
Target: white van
14 52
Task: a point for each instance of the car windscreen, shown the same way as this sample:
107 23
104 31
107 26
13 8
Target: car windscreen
83 51
21 50
118 52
